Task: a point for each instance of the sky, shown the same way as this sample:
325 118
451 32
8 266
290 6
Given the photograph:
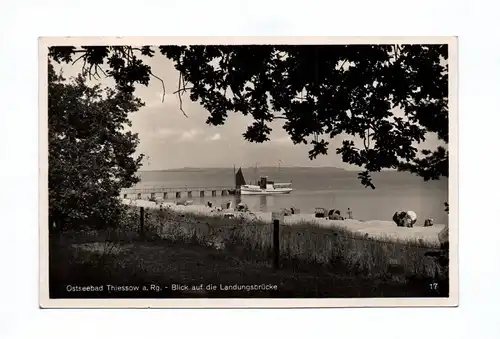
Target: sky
170 140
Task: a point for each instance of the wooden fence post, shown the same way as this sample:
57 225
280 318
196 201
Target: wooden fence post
141 231
276 243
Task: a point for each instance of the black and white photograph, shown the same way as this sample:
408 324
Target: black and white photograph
248 172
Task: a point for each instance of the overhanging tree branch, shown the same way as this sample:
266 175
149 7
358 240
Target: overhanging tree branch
381 78
162 84
180 96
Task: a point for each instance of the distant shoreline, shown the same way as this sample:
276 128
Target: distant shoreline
248 168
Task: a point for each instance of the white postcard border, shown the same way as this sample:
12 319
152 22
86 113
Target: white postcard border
46 302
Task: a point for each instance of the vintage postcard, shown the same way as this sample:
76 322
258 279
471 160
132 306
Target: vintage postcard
241 172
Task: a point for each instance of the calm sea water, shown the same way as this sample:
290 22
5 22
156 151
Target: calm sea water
319 187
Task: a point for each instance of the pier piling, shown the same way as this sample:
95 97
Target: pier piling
141 222
276 244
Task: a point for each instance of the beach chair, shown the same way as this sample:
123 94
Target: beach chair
335 215
428 222
319 212
402 219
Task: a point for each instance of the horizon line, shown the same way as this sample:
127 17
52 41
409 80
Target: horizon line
250 167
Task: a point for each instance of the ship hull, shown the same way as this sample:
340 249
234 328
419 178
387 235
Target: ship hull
264 187
260 191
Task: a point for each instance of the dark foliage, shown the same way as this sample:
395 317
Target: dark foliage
90 154
321 92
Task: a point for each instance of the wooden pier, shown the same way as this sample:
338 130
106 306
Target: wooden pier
176 192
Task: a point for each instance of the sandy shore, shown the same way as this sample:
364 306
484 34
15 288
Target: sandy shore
374 228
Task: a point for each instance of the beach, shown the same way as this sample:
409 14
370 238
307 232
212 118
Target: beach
312 187
377 229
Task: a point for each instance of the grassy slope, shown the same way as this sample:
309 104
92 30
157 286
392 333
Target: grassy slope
163 263
188 258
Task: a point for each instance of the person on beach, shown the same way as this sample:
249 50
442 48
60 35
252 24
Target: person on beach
349 213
